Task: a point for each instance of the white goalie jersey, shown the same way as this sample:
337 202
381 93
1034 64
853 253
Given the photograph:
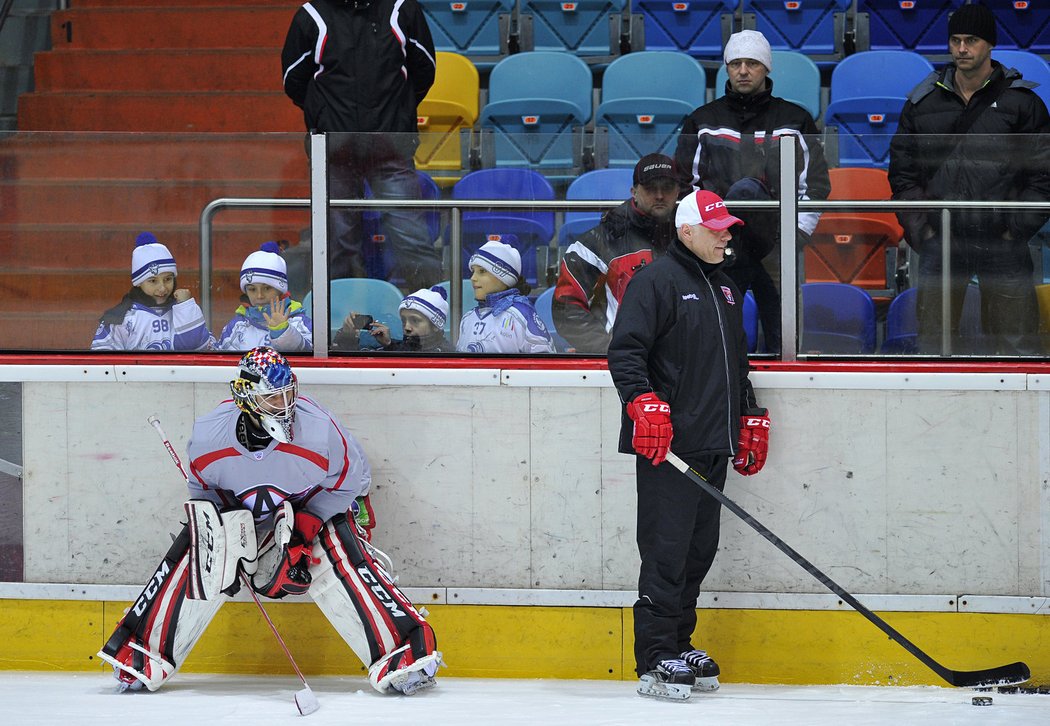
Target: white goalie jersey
322 470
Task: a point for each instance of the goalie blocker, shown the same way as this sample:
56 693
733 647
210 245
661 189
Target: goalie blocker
352 589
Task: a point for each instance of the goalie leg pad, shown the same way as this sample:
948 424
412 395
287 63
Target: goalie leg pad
161 627
372 615
219 544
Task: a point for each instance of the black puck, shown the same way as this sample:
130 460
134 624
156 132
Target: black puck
981 700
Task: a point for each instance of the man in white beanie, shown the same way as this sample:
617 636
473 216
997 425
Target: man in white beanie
730 147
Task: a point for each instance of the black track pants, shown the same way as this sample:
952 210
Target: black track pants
677 540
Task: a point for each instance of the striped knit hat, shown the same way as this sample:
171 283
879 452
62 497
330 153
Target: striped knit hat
150 258
265 267
500 259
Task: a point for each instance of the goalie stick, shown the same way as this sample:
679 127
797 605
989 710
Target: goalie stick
1002 675
305 700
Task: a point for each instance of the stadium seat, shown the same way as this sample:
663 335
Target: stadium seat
1022 24
837 319
543 307
378 255
365 296
902 324
537 106
470 28
606 184
580 27
808 26
645 97
468 301
868 91
796 78
918 25
450 106
524 230
751 321
693 27
852 247
1032 67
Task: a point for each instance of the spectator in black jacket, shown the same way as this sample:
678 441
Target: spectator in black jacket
728 146
597 267
974 130
358 69
678 358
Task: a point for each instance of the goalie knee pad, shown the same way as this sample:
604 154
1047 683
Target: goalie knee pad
372 615
161 627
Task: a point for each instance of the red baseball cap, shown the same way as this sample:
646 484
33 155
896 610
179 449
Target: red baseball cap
706 209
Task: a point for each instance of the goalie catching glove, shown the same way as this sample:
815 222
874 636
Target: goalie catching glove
652 426
294 533
753 443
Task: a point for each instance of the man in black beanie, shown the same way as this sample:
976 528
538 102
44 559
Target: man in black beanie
974 130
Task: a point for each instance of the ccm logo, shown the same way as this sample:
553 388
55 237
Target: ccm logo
152 588
654 407
757 423
716 205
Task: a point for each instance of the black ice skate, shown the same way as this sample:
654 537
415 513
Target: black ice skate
704 668
672 680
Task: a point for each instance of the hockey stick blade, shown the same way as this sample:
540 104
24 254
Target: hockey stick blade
1001 676
306 701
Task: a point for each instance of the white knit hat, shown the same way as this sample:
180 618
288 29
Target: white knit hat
150 258
749 44
500 259
430 303
265 267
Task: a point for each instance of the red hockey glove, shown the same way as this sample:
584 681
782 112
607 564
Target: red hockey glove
652 426
753 443
292 574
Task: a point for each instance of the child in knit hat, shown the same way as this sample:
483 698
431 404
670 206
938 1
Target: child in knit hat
155 314
505 320
423 316
267 315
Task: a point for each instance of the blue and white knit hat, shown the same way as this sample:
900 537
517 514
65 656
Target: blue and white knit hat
150 258
265 267
500 259
431 304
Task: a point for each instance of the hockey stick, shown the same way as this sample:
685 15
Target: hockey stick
1002 675
305 700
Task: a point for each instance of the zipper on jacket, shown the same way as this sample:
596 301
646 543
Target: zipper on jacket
725 359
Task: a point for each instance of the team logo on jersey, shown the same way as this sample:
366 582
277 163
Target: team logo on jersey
729 295
690 296
263 500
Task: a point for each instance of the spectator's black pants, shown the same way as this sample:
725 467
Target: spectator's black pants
677 539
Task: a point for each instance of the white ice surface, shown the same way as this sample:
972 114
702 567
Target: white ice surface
85 699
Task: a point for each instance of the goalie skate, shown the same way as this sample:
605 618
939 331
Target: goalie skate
399 671
704 669
671 680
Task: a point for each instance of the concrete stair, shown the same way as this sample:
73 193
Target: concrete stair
146 111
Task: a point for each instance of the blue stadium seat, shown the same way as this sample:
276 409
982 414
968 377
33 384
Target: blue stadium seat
1022 24
1032 67
598 184
522 229
796 78
377 298
469 28
538 103
689 26
837 319
868 91
807 26
751 321
378 255
918 25
543 307
902 323
645 97
578 26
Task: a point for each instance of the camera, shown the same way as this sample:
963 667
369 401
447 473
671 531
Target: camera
363 322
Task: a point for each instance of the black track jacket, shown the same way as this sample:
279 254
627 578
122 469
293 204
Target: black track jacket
358 70
680 333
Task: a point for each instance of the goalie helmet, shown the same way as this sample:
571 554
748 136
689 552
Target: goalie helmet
267 388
